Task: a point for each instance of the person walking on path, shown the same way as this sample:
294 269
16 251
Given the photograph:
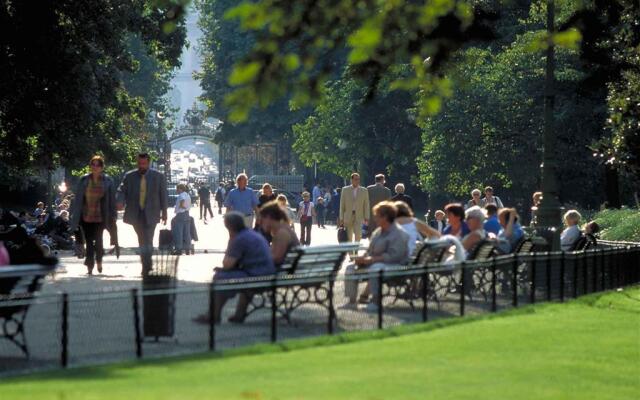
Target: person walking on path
400 196
243 200
377 194
219 196
94 209
306 212
143 195
181 224
316 192
489 198
205 201
354 208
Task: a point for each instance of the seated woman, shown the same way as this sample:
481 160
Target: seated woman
413 226
275 221
475 220
457 227
388 246
248 255
511 231
572 233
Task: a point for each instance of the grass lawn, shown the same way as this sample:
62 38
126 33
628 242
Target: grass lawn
585 349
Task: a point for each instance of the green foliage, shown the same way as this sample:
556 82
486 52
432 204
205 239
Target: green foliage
621 224
490 131
347 132
66 68
224 44
296 44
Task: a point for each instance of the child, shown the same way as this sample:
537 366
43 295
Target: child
306 212
320 211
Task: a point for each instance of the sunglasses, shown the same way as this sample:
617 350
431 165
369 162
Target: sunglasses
96 164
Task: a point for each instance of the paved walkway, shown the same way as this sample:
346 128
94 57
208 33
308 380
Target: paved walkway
102 329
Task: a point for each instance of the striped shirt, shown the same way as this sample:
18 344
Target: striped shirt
91 211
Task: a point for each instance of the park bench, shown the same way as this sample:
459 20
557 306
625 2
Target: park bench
306 277
18 286
410 288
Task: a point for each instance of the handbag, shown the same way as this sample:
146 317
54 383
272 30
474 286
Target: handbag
342 235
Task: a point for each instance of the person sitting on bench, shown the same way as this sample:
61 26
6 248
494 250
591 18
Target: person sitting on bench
248 255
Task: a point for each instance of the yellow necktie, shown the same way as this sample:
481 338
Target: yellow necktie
143 191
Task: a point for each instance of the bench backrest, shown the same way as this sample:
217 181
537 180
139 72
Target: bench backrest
426 252
320 259
483 250
22 280
524 246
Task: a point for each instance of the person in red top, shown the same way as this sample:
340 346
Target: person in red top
94 209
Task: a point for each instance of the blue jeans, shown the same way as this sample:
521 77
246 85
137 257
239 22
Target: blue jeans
182 232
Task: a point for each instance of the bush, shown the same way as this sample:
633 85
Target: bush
621 224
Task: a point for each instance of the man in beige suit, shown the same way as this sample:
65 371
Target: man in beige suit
377 194
354 208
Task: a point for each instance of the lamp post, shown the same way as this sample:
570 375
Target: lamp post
549 212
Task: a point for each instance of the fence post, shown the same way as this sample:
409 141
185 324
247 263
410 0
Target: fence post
562 259
594 275
463 288
575 275
212 316
514 280
533 278
585 273
548 276
332 312
64 355
274 312
425 297
380 280
494 306
603 260
136 321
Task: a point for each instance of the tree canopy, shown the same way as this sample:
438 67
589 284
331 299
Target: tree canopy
74 79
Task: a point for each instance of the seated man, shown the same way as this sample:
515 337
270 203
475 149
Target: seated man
572 233
248 255
491 224
388 246
511 231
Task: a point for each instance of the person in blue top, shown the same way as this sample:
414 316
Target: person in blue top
455 216
248 255
491 224
243 200
511 231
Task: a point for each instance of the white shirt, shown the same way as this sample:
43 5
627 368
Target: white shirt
309 209
187 202
569 237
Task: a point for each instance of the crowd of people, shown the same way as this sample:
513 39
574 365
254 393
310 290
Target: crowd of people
261 222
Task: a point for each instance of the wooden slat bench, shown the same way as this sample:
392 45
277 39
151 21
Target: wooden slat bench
306 277
18 285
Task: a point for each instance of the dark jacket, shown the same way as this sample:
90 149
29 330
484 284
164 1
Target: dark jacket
107 203
156 200
403 197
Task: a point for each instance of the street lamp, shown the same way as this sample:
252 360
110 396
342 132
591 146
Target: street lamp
549 212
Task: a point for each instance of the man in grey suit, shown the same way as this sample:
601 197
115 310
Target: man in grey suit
377 194
143 194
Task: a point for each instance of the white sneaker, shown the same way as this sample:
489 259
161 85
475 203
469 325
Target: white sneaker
349 306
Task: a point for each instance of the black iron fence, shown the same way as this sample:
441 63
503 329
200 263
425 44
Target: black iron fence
74 329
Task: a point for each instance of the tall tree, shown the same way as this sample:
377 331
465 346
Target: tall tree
62 95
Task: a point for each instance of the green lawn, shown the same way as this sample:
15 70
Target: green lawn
586 349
